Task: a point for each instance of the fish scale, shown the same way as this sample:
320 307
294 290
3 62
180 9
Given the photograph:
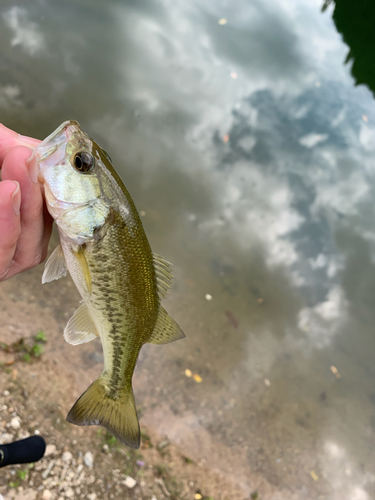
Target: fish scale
130 320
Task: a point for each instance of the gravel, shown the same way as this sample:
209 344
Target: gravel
88 459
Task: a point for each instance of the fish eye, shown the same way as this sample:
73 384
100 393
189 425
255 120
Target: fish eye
83 162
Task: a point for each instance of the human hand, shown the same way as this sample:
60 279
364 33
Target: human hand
25 224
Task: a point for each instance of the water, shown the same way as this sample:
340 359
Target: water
250 152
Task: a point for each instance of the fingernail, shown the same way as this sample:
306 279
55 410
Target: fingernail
33 169
16 198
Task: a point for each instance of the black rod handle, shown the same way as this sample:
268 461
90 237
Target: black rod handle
25 451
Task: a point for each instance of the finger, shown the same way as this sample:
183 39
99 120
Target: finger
29 247
10 225
9 139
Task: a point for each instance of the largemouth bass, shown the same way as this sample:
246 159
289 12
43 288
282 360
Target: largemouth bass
104 247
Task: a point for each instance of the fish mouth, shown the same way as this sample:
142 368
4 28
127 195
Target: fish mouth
54 141
62 129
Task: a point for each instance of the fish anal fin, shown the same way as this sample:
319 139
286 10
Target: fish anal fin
166 329
117 414
55 267
80 328
164 276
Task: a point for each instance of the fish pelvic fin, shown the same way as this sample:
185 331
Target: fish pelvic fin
116 414
55 267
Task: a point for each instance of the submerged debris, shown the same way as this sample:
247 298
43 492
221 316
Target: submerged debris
314 476
335 371
231 319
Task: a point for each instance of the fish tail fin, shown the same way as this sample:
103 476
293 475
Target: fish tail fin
117 414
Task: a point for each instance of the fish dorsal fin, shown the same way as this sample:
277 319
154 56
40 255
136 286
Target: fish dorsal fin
164 276
55 267
166 329
80 328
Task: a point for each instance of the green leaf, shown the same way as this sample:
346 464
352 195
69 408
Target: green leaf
37 350
41 336
22 474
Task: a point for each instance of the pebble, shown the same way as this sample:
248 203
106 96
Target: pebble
50 450
6 438
130 482
15 423
92 496
163 444
153 497
105 448
88 459
208 296
23 434
69 493
47 495
67 456
6 393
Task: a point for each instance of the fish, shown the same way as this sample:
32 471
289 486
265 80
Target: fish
104 248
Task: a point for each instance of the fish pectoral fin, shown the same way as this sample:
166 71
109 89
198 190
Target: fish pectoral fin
80 328
80 255
55 267
166 329
117 414
164 276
